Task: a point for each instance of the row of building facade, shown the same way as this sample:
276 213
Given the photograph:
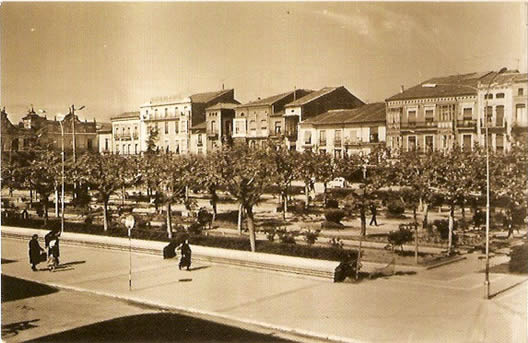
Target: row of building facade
433 115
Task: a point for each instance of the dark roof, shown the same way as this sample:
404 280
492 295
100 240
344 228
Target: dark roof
104 127
272 99
126 115
454 85
312 96
365 114
223 105
208 96
200 126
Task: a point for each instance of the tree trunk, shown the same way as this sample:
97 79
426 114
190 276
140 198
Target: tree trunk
284 205
169 221
240 208
44 201
425 214
307 193
56 202
324 194
105 214
251 228
416 243
451 224
363 217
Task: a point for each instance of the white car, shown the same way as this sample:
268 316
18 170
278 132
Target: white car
338 182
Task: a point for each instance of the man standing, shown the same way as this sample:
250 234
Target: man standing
34 252
374 212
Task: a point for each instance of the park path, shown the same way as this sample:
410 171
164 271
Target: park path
441 304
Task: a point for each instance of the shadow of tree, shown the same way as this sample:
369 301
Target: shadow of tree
158 327
16 289
10 330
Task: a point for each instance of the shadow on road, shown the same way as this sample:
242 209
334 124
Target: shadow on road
72 263
158 327
10 330
16 289
5 261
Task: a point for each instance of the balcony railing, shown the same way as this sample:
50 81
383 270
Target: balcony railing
426 124
123 136
322 142
338 142
466 123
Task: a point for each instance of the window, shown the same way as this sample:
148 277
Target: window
166 112
429 115
429 145
307 137
488 96
129 148
263 124
166 127
468 113
337 153
128 131
252 125
322 138
89 145
499 142
277 127
135 132
411 143
499 96
489 112
446 112
213 126
520 111
499 116
176 126
117 149
520 91
156 113
337 138
136 148
411 115
199 140
374 134
466 142
106 144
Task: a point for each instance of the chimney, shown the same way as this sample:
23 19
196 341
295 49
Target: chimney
294 93
402 89
222 86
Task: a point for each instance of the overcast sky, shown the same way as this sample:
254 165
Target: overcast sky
112 57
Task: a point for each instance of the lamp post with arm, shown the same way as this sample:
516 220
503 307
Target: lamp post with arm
485 112
487 282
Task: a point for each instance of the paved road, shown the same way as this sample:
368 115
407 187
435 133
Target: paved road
441 304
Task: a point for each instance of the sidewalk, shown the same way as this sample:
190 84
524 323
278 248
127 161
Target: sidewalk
440 304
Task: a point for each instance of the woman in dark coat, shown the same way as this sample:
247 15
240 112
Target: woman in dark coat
34 252
185 260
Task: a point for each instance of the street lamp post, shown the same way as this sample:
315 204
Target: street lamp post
62 176
487 282
502 70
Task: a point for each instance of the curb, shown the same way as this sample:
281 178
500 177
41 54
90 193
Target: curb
192 312
443 263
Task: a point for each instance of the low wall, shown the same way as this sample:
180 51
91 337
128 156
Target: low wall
305 267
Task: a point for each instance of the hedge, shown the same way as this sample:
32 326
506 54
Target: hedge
235 243
519 259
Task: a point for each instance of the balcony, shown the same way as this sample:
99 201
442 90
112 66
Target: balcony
426 125
322 142
212 134
123 137
338 142
469 123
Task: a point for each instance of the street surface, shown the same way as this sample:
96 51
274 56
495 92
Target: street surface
440 304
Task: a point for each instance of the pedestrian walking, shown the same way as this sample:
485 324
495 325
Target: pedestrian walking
374 211
53 235
185 260
53 255
35 252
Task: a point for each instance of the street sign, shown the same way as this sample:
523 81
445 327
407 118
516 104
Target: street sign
130 221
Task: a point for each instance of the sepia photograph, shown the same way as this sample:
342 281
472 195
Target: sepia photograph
267 171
